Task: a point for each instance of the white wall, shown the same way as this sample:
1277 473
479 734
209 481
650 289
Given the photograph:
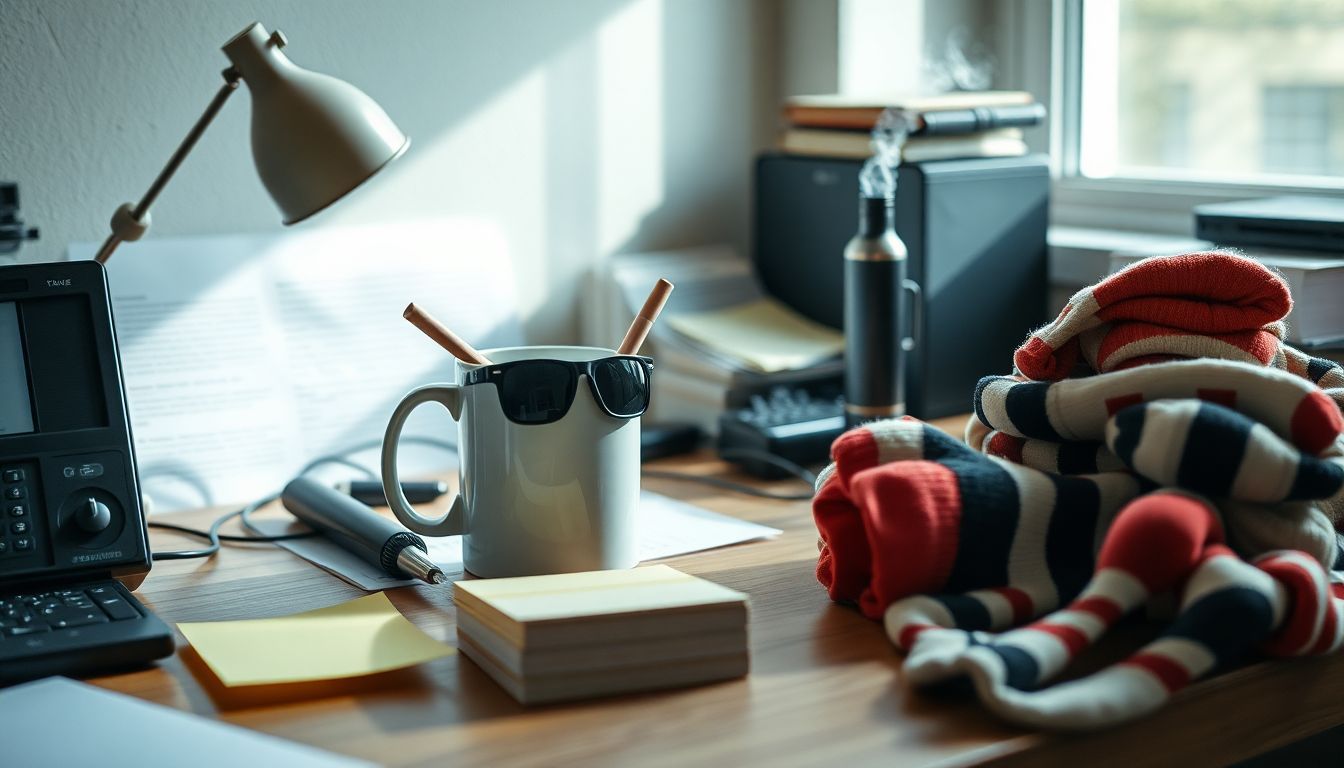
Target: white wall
580 129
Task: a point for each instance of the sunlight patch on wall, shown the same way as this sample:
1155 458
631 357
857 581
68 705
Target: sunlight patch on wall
629 122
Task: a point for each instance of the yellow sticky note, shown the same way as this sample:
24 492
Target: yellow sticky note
356 638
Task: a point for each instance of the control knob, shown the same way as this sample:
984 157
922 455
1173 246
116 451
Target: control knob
93 516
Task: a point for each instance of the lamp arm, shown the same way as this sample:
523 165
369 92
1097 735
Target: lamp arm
129 222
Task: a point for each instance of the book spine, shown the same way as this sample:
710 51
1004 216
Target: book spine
955 121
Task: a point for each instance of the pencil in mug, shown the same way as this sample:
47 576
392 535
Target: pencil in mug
444 337
643 323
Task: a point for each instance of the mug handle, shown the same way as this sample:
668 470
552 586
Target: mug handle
450 397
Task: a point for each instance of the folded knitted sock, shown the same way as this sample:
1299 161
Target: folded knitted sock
1229 608
1194 305
1078 409
1209 449
958 523
1154 543
1157 543
1068 458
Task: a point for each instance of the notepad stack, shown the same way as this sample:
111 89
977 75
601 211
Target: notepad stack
581 635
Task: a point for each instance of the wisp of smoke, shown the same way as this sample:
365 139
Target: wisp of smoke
878 177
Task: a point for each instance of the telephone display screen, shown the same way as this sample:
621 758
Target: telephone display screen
16 406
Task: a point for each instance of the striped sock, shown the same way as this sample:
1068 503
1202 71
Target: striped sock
1216 451
1153 544
1078 409
1326 374
1228 608
1315 616
1068 458
958 523
1195 305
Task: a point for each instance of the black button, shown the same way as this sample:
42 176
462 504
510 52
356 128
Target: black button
16 492
4 546
19 527
118 610
13 475
18 510
28 630
23 544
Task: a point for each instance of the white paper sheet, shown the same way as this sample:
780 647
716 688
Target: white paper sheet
120 730
245 357
667 527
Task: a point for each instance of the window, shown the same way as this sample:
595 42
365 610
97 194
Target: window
1157 106
1297 121
1220 90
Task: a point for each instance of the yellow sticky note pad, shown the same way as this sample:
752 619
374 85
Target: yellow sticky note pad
360 637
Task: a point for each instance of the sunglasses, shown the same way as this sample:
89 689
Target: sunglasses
541 391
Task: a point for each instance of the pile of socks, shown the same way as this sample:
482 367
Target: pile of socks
1158 439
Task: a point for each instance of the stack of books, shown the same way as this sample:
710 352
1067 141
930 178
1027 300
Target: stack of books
581 635
944 126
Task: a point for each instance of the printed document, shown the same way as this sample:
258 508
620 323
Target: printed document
246 357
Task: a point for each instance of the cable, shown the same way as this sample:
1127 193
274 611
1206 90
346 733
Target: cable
216 538
746 453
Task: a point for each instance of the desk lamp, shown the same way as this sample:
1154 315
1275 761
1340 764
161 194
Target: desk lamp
314 138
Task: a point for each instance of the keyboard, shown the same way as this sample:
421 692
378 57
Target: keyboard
793 424
77 629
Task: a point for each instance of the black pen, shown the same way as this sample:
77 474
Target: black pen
360 530
371 491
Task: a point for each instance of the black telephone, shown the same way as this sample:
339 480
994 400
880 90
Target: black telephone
73 541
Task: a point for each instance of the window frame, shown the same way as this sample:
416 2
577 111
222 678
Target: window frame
1041 51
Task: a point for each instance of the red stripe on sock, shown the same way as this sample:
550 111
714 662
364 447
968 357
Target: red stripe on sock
1072 638
1224 397
1118 403
1038 361
1172 675
911 513
1160 538
1295 635
1104 608
1316 422
906 637
1006 446
853 452
844 567
1022 604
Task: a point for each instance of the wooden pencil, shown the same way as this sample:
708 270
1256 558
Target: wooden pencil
643 322
444 337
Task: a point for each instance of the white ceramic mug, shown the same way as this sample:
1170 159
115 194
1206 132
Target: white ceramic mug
533 498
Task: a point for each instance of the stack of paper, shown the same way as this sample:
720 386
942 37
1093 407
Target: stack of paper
579 635
721 337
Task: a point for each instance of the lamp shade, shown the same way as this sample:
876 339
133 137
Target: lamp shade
314 137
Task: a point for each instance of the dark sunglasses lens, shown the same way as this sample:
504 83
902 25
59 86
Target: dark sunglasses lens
538 392
623 386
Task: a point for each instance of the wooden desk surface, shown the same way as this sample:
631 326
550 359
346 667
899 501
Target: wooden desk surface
824 687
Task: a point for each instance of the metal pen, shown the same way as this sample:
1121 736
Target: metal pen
357 528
